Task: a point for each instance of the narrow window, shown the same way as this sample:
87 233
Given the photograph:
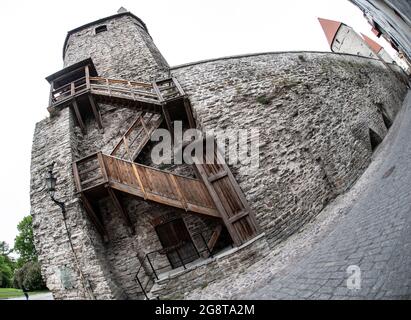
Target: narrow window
375 139
101 29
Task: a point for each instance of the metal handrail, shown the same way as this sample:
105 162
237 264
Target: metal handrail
153 276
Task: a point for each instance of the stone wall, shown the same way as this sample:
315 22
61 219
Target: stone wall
313 111
176 286
54 140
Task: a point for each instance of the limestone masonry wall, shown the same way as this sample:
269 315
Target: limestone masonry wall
313 110
124 51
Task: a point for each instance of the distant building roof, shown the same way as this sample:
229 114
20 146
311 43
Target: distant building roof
121 13
330 28
372 44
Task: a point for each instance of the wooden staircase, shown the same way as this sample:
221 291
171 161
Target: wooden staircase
99 175
137 136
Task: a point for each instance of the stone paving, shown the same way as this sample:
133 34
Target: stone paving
375 235
368 227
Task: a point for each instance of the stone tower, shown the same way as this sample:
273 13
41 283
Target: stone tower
122 208
120 47
135 228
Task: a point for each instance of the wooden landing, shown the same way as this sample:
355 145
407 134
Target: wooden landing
98 171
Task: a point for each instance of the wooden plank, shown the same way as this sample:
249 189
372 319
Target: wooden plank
168 121
178 189
179 88
87 72
229 199
157 91
92 168
78 116
136 173
102 166
219 205
91 180
214 237
238 216
76 177
217 176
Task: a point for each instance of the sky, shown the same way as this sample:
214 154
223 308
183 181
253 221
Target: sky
33 32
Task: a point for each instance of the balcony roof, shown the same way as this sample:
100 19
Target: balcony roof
74 67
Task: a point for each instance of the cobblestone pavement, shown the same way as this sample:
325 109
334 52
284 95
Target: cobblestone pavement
375 235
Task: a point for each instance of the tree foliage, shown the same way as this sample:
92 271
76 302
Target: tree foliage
7 266
29 277
24 242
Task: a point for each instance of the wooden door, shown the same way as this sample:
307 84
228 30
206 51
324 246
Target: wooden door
177 243
227 196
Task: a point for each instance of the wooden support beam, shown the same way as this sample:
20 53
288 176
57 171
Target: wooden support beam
166 114
157 91
78 116
214 237
76 177
178 189
87 72
102 166
120 209
217 176
93 216
96 112
189 113
51 94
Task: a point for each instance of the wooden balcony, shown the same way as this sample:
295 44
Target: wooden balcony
145 96
98 172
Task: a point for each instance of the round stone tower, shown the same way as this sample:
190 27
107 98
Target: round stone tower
120 47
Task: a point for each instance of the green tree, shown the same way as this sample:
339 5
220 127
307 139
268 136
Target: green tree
7 265
24 242
28 274
29 277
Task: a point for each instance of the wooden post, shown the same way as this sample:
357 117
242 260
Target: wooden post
168 121
51 94
135 170
76 177
102 166
96 113
78 114
87 71
180 194
157 91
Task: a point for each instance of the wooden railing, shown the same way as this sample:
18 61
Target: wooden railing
152 93
136 137
145 182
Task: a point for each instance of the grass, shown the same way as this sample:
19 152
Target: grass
14 293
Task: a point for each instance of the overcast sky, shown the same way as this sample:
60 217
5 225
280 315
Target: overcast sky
32 35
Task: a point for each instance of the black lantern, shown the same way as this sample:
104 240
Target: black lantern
51 182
